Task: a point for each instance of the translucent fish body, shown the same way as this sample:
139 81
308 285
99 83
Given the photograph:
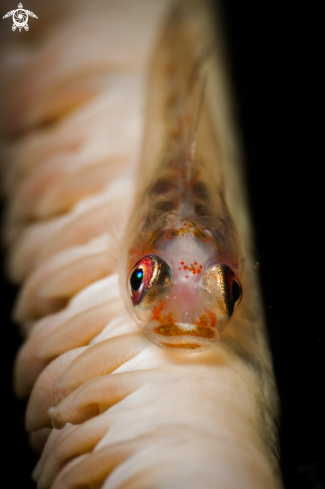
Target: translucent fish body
181 272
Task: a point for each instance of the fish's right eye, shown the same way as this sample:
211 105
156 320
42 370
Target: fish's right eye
150 277
136 279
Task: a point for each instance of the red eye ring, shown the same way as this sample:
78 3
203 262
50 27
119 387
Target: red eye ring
148 279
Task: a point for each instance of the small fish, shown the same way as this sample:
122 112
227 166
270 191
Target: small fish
181 270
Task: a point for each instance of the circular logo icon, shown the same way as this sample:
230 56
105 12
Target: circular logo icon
20 18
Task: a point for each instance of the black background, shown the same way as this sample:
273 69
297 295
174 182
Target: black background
275 49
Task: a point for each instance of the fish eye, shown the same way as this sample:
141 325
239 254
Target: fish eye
136 279
149 279
223 288
236 292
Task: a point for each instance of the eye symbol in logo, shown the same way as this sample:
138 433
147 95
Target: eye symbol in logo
20 17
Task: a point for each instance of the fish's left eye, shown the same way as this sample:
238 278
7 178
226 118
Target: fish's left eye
236 292
222 288
149 279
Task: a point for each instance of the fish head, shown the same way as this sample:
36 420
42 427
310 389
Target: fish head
182 294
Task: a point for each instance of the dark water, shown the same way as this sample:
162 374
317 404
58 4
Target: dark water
275 52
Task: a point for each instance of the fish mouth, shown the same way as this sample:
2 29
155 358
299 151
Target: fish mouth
181 337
